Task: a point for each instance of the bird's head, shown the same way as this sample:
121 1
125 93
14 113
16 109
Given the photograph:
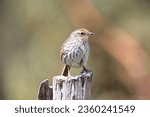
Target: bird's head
81 33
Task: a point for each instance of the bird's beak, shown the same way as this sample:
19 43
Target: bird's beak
91 33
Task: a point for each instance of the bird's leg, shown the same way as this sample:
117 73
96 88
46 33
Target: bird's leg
87 73
66 71
69 71
84 70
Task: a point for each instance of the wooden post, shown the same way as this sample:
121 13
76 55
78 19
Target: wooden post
67 88
45 91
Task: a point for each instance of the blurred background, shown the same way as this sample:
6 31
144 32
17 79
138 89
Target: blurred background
32 33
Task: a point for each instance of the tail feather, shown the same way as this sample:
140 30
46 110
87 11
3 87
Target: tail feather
66 70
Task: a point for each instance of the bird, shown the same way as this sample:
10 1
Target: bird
75 51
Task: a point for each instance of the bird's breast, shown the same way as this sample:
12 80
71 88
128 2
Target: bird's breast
75 54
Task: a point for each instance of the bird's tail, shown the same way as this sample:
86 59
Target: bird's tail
66 70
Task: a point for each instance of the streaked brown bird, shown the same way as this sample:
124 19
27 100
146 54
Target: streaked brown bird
75 51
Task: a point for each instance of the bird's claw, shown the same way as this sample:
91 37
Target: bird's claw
86 72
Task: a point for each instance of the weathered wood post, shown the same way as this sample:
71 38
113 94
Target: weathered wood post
67 88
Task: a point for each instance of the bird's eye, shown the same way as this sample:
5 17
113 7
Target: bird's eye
82 33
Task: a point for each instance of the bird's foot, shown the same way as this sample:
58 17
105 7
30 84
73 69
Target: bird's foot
86 72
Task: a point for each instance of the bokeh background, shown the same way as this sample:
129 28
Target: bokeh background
32 32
